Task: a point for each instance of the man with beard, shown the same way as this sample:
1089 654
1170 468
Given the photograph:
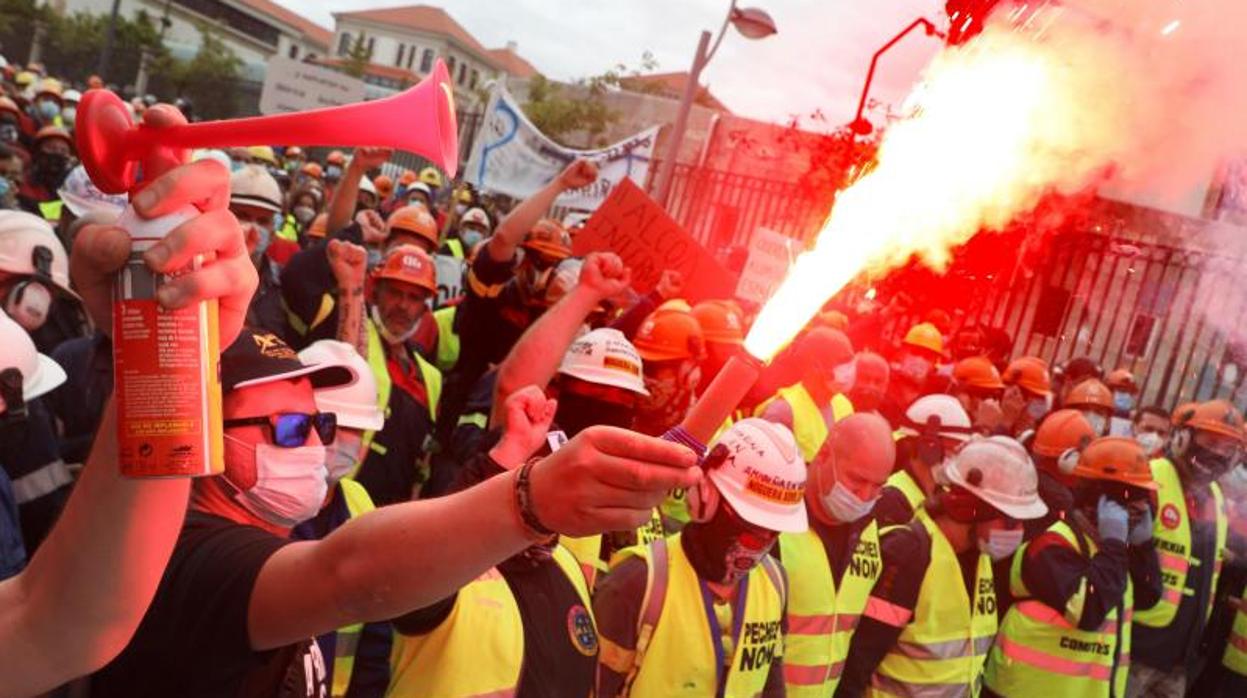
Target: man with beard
671 343
52 159
1191 532
1027 395
811 405
870 381
702 612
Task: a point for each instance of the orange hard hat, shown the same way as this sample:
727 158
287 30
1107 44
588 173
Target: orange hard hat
415 220
926 336
1214 417
8 105
1123 380
1029 373
408 177
823 347
720 322
550 239
53 132
313 169
293 151
319 227
1115 458
410 265
1180 410
1090 393
384 185
834 319
95 82
977 372
335 157
668 335
1061 431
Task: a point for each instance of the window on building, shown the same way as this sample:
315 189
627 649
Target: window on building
344 44
411 56
399 61
426 61
450 66
463 73
294 50
372 40
475 77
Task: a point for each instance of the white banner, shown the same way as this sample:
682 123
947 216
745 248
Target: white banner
770 254
291 85
450 273
512 157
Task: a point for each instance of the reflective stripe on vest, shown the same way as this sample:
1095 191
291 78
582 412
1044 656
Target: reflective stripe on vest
1040 651
1235 657
429 374
822 617
678 658
807 420
478 651
51 210
347 641
327 305
1172 532
941 651
289 229
447 340
41 481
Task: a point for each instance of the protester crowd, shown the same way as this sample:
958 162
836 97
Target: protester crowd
491 494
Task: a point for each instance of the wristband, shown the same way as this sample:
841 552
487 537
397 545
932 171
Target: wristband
524 500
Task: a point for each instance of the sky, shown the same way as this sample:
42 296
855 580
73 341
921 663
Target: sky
817 62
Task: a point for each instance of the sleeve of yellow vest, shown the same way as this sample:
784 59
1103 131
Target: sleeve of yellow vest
906 555
616 607
1084 590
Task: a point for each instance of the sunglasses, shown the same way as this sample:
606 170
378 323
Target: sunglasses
291 429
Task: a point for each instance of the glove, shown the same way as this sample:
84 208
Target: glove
1141 531
1112 520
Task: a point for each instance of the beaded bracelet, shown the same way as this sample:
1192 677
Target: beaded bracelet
524 500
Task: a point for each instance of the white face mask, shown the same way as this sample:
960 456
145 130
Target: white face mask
845 375
1096 420
1150 441
1001 543
342 457
28 304
290 484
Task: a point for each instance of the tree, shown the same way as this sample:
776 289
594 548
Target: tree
561 113
73 42
357 59
206 80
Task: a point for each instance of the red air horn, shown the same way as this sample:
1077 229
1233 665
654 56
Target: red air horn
420 120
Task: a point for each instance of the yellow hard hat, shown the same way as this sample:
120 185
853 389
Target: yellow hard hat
263 153
926 336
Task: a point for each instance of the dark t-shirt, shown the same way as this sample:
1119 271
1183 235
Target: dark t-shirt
193 641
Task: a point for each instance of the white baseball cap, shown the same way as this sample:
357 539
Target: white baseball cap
354 403
999 471
605 357
40 374
763 475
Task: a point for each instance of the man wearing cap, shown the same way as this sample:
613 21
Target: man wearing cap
504 294
815 402
52 154
703 612
255 200
976 384
239 602
931 617
832 567
474 226
1191 530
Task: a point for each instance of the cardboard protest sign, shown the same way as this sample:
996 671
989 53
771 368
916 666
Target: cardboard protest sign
770 254
636 228
291 86
450 273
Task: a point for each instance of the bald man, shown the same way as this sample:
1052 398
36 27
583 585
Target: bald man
870 381
833 566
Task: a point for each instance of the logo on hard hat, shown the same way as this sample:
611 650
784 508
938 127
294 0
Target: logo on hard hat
1170 517
773 489
412 261
580 628
618 364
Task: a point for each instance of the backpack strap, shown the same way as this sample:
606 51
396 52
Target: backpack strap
777 577
656 578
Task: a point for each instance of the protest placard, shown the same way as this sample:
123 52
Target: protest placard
770 254
291 85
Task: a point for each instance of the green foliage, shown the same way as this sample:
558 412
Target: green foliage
561 115
357 59
73 42
206 79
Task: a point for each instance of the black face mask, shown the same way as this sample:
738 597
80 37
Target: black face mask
49 170
577 413
715 548
1207 465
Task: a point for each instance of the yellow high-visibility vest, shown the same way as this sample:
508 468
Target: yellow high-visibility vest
822 618
1235 657
347 641
678 654
588 550
905 483
447 340
1172 532
380 371
941 651
479 649
455 245
807 420
1041 650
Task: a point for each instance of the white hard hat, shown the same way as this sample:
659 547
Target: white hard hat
763 475
356 402
420 187
476 215
40 374
365 184
944 412
254 186
605 357
71 96
998 471
83 197
212 154
26 243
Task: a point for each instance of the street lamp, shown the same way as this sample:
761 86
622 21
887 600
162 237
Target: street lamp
860 124
752 23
